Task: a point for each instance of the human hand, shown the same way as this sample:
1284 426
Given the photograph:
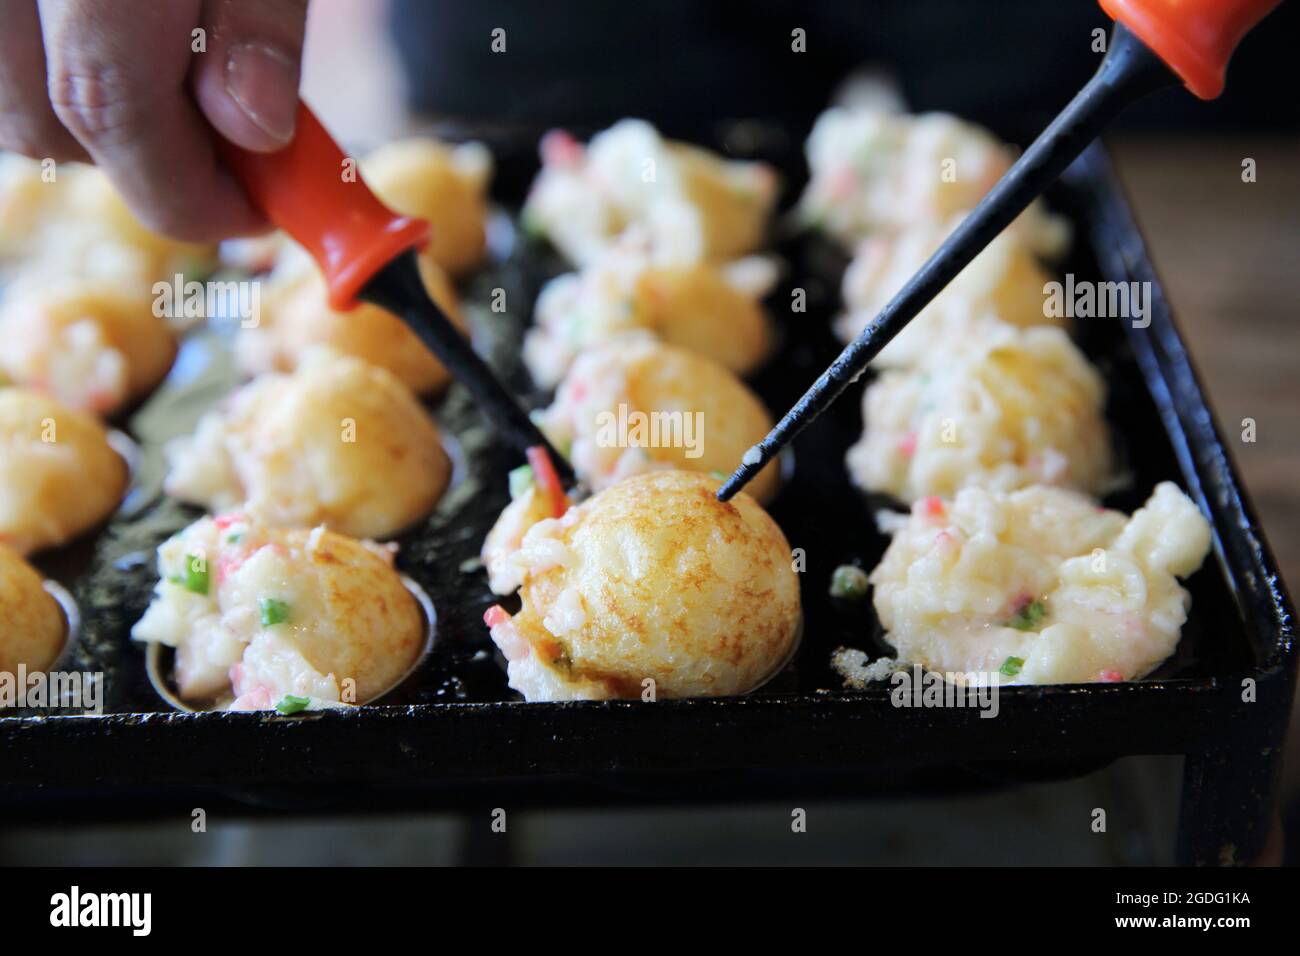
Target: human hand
138 86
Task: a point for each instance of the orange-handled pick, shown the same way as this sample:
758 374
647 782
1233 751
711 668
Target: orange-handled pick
315 193
1195 38
1154 44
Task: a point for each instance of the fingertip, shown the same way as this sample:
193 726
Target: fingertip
223 212
241 217
249 94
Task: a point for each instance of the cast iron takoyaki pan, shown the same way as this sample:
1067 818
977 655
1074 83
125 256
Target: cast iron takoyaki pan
455 733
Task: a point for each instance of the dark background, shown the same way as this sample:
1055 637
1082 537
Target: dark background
686 64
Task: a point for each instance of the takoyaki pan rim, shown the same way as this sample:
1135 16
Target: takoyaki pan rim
406 745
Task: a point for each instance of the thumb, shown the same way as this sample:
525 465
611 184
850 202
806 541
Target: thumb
246 67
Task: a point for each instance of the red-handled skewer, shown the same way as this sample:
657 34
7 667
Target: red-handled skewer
1155 44
367 252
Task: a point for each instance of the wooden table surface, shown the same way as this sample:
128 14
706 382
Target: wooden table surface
1228 252
1229 255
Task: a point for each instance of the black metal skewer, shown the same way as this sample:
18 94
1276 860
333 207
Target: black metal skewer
1129 72
398 288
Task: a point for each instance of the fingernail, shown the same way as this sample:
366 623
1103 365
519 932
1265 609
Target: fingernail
263 80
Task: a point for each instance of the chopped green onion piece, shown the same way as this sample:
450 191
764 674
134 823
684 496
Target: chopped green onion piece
849 582
718 475
274 611
1029 616
521 479
234 537
196 574
1011 666
292 704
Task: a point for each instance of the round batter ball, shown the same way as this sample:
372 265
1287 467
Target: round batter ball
1020 407
875 170
34 627
653 579
1005 281
259 614
95 345
92 196
26 201
1039 586
68 219
691 204
59 476
709 309
296 318
339 442
636 404
445 185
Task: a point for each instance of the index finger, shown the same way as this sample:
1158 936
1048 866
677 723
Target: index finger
118 82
